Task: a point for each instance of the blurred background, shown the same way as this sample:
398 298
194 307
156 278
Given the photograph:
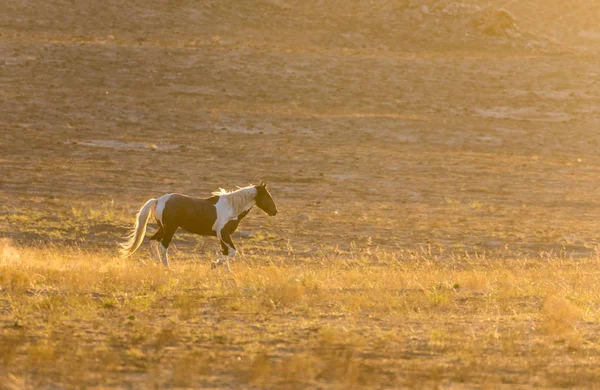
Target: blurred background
464 126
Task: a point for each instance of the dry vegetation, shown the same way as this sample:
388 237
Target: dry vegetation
368 318
435 164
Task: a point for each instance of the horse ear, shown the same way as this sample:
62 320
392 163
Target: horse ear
263 184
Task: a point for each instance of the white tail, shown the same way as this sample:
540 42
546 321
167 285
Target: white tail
134 240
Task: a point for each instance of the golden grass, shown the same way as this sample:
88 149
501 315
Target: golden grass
367 318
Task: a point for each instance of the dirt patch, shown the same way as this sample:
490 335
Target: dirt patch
523 114
120 145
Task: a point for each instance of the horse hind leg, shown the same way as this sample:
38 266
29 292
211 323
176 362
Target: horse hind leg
164 246
162 253
154 251
154 242
158 236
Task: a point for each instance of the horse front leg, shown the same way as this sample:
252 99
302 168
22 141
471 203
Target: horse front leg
220 260
227 248
228 243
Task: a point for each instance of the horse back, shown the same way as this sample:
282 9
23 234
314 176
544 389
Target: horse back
192 214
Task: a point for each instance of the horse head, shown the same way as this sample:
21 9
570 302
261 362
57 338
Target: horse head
264 201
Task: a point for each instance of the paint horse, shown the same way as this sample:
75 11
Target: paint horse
217 216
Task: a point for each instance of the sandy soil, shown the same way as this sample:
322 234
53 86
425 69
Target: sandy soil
455 126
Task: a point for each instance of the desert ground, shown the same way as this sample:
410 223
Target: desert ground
435 165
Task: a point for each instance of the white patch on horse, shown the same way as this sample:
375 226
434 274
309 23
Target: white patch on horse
223 215
231 204
248 206
160 207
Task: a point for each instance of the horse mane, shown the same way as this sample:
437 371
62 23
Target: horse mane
238 199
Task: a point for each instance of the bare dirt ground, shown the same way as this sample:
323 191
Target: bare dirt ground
450 129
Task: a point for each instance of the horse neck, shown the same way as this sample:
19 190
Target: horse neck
241 200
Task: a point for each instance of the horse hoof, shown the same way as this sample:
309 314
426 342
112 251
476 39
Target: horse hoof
213 265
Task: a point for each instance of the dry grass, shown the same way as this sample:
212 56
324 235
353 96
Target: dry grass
436 181
74 318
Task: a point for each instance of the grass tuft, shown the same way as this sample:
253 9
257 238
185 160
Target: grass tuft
560 316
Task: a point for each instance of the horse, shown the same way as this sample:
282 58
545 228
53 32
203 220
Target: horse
218 215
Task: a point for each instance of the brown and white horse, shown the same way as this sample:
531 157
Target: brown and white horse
217 216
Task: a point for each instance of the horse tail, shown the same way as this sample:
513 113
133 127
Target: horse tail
134 240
